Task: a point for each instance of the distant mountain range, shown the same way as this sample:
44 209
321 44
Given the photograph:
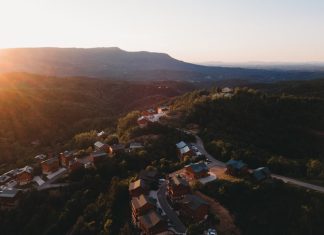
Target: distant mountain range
115 63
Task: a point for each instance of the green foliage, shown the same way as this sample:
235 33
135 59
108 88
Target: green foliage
270 208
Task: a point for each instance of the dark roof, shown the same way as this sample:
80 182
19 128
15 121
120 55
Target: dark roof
139 202
261 173
118 146
198 167
192 201
148 174
150 219
236 164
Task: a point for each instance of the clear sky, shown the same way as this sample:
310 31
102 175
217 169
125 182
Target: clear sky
190 30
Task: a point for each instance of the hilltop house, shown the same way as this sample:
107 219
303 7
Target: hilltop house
177 187
137 188
142 122
140 206
49 166
193 208
24 175
40 157
99 146
184 150
236 168
135 146
66 157
152 223
197 170
149 176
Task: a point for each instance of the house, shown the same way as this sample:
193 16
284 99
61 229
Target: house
236 168
24 175
50 165
227 90
99 146
193 208
185 151
40 157
116 148
9 198
177 187
140 206
149 176
149 112
66 157
181 145
197 170
97 157
101 134
163 110
135 146
142 122
137 188
261 173
74 165
152 223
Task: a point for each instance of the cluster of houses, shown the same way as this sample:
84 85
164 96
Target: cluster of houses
152 115
238 168
145 214
14 182
188 151
225 92
149 217
9 195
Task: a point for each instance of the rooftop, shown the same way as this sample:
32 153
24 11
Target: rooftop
193 201
181 145
197 167
185 150
99 144
236 164
139 202
136 184
8 192
178 180
50 161
150 219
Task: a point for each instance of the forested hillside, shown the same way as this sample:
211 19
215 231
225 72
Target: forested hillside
51 110
283 132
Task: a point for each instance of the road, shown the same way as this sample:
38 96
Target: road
172 215
215 163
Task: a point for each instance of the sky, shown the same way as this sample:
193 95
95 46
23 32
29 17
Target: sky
190 30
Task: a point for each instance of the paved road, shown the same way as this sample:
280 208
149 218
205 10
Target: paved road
200 145
172 215
299 183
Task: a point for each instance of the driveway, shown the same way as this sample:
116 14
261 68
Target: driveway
171 214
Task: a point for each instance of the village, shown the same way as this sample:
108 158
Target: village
160 204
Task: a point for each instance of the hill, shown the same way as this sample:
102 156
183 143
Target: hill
51 109
119 64
284 132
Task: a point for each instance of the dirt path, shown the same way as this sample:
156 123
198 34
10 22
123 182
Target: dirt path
226 225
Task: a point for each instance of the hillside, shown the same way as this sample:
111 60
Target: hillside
52 109
116 63
280 131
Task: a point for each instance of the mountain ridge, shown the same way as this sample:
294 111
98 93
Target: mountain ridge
113 62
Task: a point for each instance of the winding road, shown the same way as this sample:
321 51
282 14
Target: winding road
215 163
